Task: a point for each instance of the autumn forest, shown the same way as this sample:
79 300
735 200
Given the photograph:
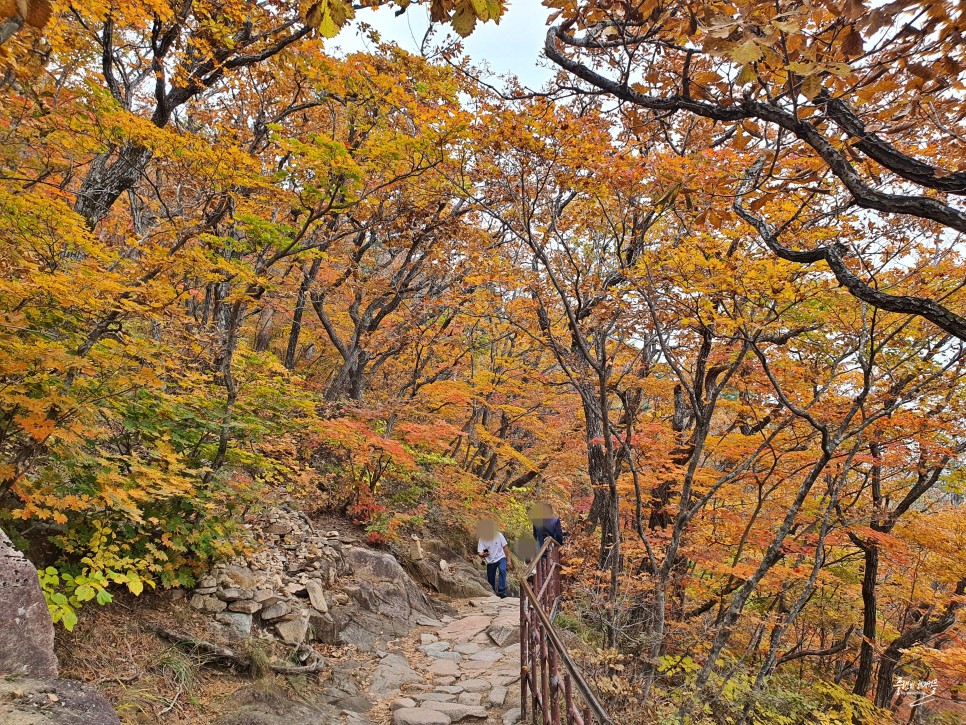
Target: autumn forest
704 292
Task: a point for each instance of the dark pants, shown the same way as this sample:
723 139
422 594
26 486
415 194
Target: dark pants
491 570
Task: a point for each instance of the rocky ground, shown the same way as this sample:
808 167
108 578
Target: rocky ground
463 668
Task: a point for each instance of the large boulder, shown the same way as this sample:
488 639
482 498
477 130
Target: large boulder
29 701
27 634
384 600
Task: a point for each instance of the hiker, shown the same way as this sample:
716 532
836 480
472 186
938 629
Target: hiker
493 549
545 524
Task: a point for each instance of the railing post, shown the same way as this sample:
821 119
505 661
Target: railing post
524 652
542 652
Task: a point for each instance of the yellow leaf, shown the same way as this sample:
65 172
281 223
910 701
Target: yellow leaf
747 52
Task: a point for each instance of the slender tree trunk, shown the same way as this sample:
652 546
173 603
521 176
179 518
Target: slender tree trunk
863 679
293 337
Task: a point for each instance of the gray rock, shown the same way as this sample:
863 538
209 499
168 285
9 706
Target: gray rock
444 655
497 696
293 631
468 648
245 606
316 596
208 603
237 576
239 624
512 716
470 698
450 689
207 582
434 697
434 647
455 711
428 638
475 685
504 632
52 702
323 628
419 716
354 704
233 594
392 673
279 609
27 634
205 590
487 655
401 703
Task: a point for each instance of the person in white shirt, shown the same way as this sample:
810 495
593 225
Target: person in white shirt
493 549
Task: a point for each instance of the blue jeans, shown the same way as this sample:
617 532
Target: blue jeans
491 570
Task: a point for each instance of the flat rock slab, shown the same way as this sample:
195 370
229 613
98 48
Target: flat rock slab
419 716
392 673
444 668
463 630
53 702
455 711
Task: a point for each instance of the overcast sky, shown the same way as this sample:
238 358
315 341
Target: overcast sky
514 46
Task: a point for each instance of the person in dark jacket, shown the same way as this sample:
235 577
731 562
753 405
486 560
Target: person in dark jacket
545 524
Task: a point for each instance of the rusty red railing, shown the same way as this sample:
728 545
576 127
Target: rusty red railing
553 691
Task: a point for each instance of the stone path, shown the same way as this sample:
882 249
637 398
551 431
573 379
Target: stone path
460 669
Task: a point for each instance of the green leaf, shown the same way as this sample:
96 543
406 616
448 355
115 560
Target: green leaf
69 619
104 597
136 586
84 593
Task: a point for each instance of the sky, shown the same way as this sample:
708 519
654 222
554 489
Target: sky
515 46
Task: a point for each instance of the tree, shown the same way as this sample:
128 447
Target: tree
795 82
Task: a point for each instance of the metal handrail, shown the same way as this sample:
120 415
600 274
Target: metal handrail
573 674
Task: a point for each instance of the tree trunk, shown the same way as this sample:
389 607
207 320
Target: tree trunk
296 330
869 611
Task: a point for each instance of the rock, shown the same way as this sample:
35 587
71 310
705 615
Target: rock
316 596
390 674
266 705
497 696
237 576
293 631
450 689
295 588
52 702
354 704
435 697
323 628
402 703
444 655
458 583
455 711
444 667
423 621
232 594
428 638
475 685
473 699
246 606
434 647
468 648
238 623
208 603
204 590
419 716
463 630
504 632
487 655
279 609
512 716
27 634
266 596
207 582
